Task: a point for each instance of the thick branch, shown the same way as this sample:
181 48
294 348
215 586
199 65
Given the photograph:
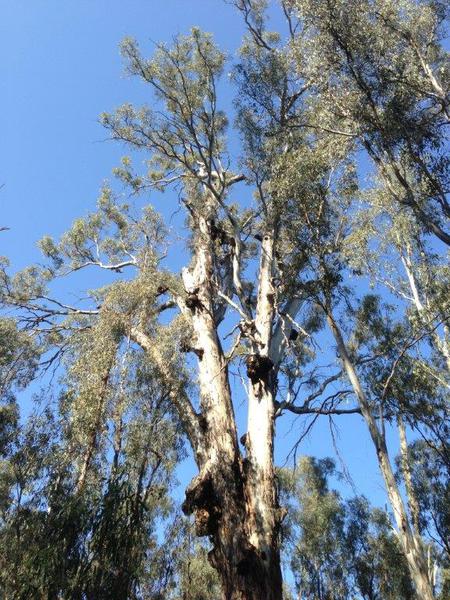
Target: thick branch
186 412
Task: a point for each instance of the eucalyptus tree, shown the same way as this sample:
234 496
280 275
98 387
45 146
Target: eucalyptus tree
19 358
375 69
234 495
77 528
262 276
430 480
339 548
381 358
382 73
385 362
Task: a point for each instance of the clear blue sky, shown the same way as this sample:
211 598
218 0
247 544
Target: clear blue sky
60 69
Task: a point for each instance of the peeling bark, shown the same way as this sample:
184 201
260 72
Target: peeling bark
233 499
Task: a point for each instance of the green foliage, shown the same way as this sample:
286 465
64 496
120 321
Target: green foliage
98 538
381 74
340 548
195 578
190 132
18 357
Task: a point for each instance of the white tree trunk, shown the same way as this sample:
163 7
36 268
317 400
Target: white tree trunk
260 432
412 549
440 343
233 500
407 476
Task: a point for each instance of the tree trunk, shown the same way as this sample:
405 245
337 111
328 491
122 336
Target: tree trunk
407 477
263 512
440 343
412 549
233 499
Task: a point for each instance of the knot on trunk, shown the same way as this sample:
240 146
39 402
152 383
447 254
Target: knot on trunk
186 347
258 368
219 234
202 500
247 329
248 560
206 523
280 514
243 440
192 301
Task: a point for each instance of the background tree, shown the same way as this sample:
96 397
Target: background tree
88 528
340 548
382 74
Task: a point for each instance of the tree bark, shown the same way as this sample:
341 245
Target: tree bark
409 542
407 477
263 512
233 499
440 343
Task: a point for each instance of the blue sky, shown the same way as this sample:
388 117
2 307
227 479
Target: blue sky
61 68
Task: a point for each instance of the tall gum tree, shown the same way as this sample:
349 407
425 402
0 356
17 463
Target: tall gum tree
262 277
234 496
